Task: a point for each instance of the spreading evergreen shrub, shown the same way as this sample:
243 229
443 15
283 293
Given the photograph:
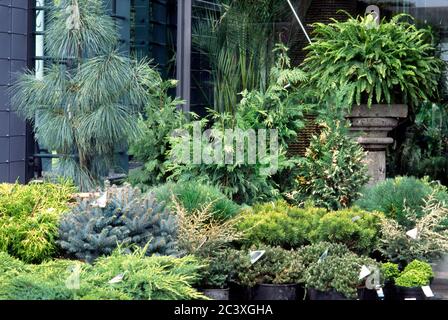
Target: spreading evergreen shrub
390 271
276 266
29 218
126 217
194 196
333 170
136 277
313 253
401 196
339 273
278 224
359 230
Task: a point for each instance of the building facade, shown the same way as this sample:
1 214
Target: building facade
163 30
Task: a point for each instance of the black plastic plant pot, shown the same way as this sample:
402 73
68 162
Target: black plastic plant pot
240 293
275 292
314 294
217 294
415 293
367 294
390 291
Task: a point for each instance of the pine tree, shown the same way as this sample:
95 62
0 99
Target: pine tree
88 100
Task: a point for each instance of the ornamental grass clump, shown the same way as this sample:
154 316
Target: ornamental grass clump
362 62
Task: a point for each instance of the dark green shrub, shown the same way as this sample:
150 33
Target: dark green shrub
126 217
29 217
394 196
318 251
276 266
278 224
339 273
359 230
333 170
162 117
194 196
219 270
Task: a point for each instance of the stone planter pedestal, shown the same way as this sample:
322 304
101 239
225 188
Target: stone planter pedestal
371 127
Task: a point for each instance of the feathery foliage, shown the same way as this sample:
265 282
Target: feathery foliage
86 106
364 63
29 218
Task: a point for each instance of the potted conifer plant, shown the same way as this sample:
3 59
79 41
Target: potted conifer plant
375 71
275 275
409 283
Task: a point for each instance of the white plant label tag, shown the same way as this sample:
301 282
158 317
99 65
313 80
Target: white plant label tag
410 298
256 255
380 292
364 272
427 291
412 233
101 201
117 279
323 256
354 219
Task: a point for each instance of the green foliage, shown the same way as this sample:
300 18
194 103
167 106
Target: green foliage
162 118
313 253
400 197
276 266
219 270
29 218
422 266
278 224
339 273
390 271
143 278
364 63
333 170
126 217
275 108
415 274
359 230
431 242
424 151
235 41
86 108
194 196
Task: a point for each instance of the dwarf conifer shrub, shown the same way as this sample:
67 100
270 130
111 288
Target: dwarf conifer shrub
29 218
333 170
278 224
95 226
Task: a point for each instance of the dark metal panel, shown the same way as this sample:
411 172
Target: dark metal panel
4 172
4 123
17 172
183 57
4 149
4 98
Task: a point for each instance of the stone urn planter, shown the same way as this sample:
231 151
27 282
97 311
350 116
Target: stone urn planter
371 127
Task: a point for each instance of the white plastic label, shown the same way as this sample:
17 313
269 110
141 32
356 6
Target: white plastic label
117 279
323 256
427 291
256 255
364 272
380 292
354 219
410 298
413 233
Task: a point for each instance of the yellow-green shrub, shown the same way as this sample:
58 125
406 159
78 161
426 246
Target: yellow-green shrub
29 216
279 224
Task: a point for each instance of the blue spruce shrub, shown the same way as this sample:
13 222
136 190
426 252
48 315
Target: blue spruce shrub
121 216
